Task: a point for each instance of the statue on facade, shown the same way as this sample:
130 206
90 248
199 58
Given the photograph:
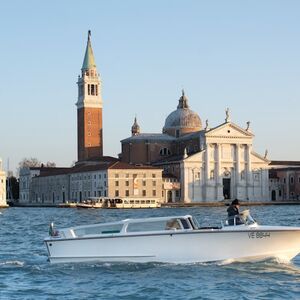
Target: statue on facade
206 125
248 125
266 154
227 119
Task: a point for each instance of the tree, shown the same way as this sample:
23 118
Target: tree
50 164
29 163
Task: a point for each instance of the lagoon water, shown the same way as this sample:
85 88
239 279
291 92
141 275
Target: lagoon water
26 274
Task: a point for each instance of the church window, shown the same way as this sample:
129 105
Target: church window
117 183
89 89
292 180
127 193
212 174
144 193
92 89
127 183
164 151
116 193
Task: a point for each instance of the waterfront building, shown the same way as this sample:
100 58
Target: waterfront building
284 180
27 188
211 163
107 178
2 186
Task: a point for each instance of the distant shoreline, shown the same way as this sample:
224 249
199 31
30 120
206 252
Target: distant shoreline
173 205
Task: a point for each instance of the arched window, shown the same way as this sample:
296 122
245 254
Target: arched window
164 152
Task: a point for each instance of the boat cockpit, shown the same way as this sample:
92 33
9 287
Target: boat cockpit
244 218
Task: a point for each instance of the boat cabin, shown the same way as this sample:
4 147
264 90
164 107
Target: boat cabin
131 226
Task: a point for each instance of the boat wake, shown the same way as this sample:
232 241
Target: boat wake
12 263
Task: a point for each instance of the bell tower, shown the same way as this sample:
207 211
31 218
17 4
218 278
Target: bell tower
89 108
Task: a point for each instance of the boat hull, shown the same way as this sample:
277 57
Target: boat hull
178 247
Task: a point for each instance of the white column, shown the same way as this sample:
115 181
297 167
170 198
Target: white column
237 170
249 179
219 185
238 164
207 163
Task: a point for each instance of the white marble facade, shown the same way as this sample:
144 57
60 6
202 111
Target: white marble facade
225 168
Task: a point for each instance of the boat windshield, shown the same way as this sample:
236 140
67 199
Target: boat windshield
244 218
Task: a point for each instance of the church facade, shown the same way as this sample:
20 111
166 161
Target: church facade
211 164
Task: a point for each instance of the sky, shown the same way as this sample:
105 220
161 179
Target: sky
244 55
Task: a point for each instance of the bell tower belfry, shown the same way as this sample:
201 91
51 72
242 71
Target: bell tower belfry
89 108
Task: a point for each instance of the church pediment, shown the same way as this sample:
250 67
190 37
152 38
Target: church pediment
228 130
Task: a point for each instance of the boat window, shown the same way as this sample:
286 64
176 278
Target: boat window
185 224
148 201
173 224
146 226
131 201
99 229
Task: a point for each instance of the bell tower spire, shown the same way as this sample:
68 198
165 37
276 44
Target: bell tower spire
89 108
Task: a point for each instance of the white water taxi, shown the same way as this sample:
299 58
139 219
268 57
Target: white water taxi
105 202
176 239
131 203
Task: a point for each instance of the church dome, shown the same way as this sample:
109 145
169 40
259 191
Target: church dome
182 120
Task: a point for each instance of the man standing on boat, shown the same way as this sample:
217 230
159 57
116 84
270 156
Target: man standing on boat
233 213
